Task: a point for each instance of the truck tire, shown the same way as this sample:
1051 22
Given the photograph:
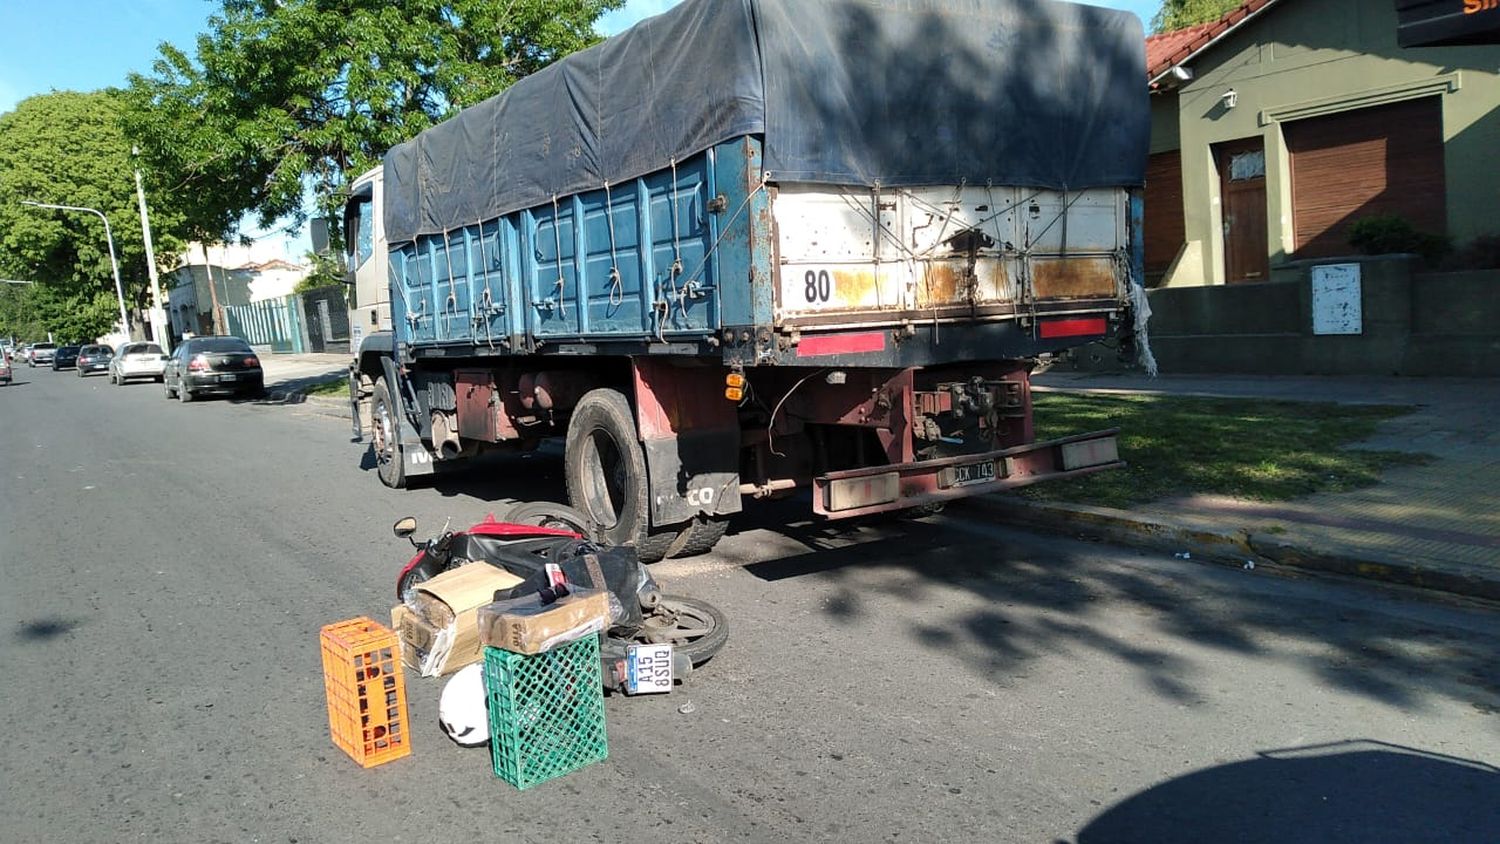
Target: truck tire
606 475
385 438
703 534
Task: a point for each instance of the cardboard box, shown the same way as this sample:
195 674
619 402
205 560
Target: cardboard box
525 626
440 634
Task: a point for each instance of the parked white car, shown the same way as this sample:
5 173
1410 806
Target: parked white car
137 360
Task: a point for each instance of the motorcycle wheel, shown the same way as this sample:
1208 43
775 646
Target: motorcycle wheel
693 627
411 580
550 515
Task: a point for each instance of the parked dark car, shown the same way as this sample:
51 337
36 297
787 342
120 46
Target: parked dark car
94 359
213 365
65 357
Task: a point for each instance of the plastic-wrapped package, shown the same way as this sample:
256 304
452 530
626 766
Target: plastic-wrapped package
528 624
436 621
615 570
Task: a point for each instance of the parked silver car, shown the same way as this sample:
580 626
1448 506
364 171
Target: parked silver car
41 353
137 360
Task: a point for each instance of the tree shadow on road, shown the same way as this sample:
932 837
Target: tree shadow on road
1047 597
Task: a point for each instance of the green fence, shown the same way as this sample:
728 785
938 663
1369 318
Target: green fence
271 322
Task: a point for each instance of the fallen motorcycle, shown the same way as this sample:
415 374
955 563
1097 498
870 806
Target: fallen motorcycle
534 535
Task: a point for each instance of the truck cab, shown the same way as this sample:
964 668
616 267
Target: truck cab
366 259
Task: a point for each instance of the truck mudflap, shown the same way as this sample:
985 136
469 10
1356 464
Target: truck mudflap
878 489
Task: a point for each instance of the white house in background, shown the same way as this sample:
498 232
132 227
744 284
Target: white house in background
241 273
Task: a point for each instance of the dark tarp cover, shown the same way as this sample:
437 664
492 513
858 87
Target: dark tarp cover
1035 93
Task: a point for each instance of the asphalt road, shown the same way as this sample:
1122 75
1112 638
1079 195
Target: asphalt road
167 568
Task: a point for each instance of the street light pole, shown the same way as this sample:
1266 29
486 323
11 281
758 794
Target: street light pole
158 316
113 264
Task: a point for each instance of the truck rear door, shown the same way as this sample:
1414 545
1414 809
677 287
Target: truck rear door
859 257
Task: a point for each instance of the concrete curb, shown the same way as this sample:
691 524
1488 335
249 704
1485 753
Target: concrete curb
1231 547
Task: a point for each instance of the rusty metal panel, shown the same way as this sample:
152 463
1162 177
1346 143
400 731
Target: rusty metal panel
962 282
478 404
671 400
1074 278
856 255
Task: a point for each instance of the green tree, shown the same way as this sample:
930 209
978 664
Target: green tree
19 316
70 148
284 95
1176 14
327 271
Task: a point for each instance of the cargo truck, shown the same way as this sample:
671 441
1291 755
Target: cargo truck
757 248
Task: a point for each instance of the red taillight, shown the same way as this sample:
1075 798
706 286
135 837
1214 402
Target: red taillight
198 364
1085 327
252 361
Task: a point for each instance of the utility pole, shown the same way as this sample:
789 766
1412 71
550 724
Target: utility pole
159 331
213 292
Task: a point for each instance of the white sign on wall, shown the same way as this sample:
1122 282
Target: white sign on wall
1336 299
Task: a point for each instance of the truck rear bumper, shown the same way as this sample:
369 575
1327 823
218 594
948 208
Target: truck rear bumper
878 489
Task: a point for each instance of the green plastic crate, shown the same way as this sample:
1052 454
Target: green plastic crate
546 711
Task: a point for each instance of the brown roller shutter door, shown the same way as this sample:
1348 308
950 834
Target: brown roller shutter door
1164 230
1382 160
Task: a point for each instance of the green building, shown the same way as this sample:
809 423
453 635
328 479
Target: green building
1278 125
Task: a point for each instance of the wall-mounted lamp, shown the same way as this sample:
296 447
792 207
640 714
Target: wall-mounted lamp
1230 98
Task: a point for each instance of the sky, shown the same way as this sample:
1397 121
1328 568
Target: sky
83 45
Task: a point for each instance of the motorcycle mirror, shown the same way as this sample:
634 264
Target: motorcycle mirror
405 527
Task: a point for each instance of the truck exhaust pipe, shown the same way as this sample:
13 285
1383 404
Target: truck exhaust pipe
445 434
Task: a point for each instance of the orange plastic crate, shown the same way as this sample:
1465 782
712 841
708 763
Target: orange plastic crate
366 691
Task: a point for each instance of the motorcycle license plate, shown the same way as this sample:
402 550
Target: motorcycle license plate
648 669
969 473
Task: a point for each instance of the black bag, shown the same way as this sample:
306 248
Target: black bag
617 570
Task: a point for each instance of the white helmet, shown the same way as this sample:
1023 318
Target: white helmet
462 709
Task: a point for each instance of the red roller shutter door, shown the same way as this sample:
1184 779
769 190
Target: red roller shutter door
1164 230
1381 160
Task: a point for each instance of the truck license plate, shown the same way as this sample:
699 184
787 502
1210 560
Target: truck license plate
970 473
648 669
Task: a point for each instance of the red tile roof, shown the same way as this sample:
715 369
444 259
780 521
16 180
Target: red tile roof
1172 48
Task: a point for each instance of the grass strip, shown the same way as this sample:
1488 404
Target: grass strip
339 387
1245 448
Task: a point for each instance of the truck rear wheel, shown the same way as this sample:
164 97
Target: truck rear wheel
702 535
385 438
606 475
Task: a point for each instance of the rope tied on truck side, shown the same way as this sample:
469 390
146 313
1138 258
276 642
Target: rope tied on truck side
487 298
561 283
676 269
451 303
616 286
692 277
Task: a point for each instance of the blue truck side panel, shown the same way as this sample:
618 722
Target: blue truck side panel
631 262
